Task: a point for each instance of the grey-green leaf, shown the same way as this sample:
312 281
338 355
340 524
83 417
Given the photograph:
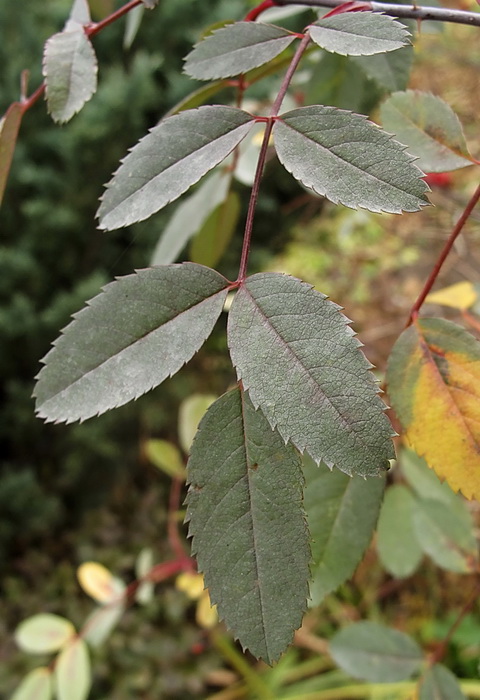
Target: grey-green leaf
248 525
190 216
140 330
444 535
297 356
171 158
70 72
397 544
439 683
349 160
236 49
359 33
80 12
391 71
341 512
429 127
376 653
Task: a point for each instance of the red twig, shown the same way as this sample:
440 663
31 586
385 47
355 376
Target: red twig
446 249
253 14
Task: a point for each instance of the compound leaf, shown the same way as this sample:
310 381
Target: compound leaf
298 357
171 158
236 48
359 33
439 683
37 685
376 653
72 672
248 525
9 127
429 127
341 514
349 160
70 72
397 543
140 330
433 382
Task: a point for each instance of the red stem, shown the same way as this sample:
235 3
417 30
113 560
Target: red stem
253 14
446 249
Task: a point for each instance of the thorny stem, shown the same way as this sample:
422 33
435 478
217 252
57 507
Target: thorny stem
446 249
242 272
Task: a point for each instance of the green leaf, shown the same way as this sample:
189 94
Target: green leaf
140 330
248 526
391 71
212 240
359 33
300 362
341 514
429 127
171 158
165 456
9 127
236 49
72 672
349 160
189 217
37 685
132 25
397 544
445 537
439 683
376 653
70 72
143 565
44 633
190 413
100 623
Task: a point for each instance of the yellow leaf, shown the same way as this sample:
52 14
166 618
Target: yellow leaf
99 583
206 614
459 296
190 583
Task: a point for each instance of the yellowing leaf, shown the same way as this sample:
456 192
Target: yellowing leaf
190 583
166 457
99 583
206 614
459 296
433 380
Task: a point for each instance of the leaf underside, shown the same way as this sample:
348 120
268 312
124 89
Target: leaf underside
429 127
140 330
439 683
349 160
433 380
341 514
298 357
171 158
70 72
248 525
235 49
359 33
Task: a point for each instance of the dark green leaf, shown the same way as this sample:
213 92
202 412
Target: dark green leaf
359 33
429 127
391 71
349 160
248 526
298 357
130 338
376 653
397 544
70 72
9 127
236 49
439 683
341 513
171 158
189 217
212 240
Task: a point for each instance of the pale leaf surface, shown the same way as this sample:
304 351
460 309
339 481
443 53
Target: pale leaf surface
248 525
44 633
101 622
70 72
397 543
37 685
172 157
72 672
341 514
376 653
297 356
235 49
439 683
80 12
429 127
140 330
349 160
359 33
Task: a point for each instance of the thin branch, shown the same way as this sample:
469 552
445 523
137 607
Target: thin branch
435 14
445 251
